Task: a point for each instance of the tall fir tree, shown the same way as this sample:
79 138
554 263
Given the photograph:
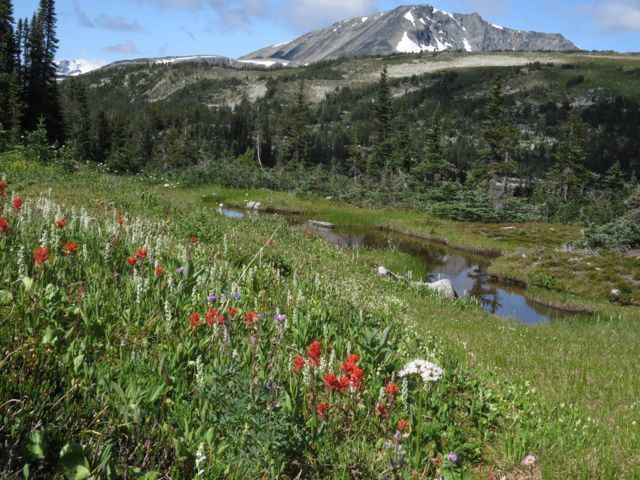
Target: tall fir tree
433 166
9 93
499 135
382 144
568 172
297 135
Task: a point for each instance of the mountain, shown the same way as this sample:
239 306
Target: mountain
409 29
73 68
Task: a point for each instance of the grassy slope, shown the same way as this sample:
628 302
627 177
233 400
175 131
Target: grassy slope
581 369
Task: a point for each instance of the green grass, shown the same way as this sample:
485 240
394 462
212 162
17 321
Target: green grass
566 391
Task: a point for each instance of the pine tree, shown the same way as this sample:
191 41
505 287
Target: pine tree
433 167
614 181
8 65
499 134
382 145
77 120
298 138
568 173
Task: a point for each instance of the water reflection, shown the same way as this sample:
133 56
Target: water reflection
468 273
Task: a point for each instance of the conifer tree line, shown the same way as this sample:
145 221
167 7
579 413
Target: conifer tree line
28 87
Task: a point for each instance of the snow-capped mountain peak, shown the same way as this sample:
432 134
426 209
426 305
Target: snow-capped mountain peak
73 68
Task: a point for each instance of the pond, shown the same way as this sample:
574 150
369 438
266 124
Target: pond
429 262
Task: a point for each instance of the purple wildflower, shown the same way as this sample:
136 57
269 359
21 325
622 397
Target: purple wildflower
39 208
213 298
280 317
388 444
237 296
530 460
180 269
452 457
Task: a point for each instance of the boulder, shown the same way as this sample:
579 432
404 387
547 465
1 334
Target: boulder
383 272
443 287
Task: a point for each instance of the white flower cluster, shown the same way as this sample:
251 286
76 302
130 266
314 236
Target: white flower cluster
429 372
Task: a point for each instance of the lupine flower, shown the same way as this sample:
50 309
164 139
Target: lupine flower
530 460
70 248
402 425
195 319
322 409
132 260
159 271
61 223
279 317
4 227
17 203
213 298
452 457
39 208
391 389
315 349
41 255
298 363
141 253
180 270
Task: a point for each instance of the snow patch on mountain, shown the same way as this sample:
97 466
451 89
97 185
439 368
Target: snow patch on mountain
467 45
75 67
409 16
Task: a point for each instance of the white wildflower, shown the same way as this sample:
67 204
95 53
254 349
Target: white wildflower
427 370
199 373
201 458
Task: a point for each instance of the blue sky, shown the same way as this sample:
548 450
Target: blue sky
102 32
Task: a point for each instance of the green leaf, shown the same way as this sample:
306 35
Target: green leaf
36 445
28 283
73 462
6 298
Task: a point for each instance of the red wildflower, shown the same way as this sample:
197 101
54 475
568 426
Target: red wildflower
61 223
270 242
347 367
211 316
343 383
402 425
195 319
391 388
249 318
315 349
159 271
353 358
41 255
380 409
437 461
232 311
4 227
331 381
17 203
70 248
132 260
220 319
193 239
2 185
322 409
299 364
141 253
120 220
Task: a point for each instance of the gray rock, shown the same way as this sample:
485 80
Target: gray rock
408 29
443 287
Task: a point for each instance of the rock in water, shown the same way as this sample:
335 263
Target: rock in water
443 287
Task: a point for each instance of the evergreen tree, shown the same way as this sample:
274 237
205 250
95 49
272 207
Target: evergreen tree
433 167
77 120
614 181
298 139
568 172
8 66
499 134
382 145
401 147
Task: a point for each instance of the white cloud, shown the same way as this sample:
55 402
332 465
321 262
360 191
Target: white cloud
614 16
307 14
124 48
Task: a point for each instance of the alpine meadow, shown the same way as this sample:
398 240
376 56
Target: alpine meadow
402 246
